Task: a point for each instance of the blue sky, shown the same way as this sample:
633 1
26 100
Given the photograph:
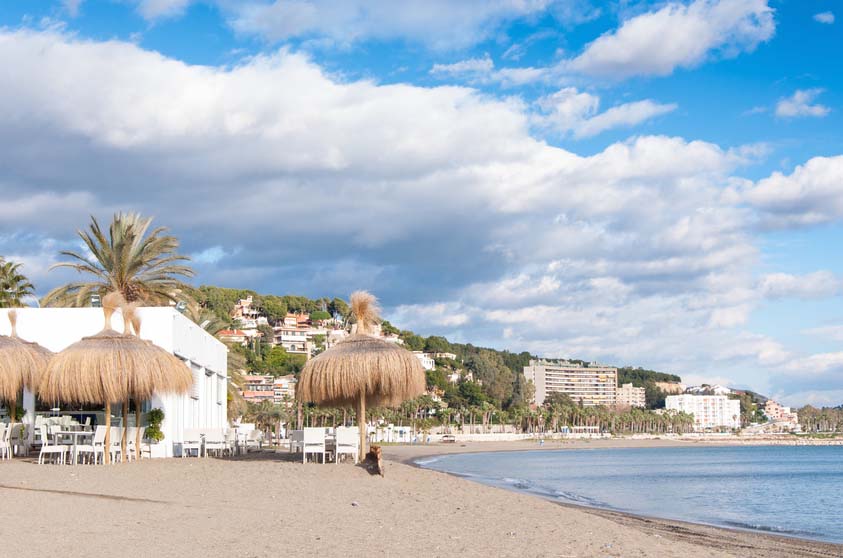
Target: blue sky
648 183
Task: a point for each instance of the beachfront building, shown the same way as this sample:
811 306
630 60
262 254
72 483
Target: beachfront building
631 396
203 407
284 389
710 411
425 359
591 384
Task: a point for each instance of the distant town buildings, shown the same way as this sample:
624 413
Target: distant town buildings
237 336
777 413
425 359
710 411
631 396
280 390
591 385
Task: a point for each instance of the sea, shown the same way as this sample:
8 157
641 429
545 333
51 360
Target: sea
789 490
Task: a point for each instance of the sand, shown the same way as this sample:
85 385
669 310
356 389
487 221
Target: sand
267 505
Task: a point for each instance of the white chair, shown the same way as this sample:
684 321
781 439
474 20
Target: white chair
131 434
192 441
296 440
313 442
215 442
116 450
5 446
347 443
254 440
48 448
96 448
231 440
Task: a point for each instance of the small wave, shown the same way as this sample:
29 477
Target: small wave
520 484
426 461
769 529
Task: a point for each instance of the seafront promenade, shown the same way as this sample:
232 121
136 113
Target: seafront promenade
264 504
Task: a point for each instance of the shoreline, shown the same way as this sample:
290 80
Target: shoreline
727 539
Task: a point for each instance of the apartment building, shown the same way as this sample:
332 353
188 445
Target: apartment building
631 396
591 384
257 388
710 411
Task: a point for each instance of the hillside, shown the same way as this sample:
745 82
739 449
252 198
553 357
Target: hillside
498 374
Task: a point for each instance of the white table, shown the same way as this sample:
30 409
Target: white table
75 434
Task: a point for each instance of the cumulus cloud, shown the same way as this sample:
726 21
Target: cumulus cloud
799 104
678 36
570 110
811 194
438 199
824 17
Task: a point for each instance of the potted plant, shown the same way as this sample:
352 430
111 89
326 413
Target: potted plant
154 434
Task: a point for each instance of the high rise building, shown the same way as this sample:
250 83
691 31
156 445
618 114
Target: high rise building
710 411
590 384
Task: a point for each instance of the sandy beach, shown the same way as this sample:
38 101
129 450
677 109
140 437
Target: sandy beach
265 504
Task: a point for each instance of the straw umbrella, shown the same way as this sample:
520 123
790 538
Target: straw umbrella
362 370
163 373
95 369
21 365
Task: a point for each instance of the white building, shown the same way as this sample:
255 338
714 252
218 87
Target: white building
204 407
710 411
591 385
425 359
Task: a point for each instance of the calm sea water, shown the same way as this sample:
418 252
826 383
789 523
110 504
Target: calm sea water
795 491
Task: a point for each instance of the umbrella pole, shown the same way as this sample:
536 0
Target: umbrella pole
137 427
123 440
361 423
106 452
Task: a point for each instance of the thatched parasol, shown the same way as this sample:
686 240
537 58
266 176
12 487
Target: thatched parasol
96 369
164 372
362 370
21 365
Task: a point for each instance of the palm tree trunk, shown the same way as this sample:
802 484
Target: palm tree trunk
361 423
106 453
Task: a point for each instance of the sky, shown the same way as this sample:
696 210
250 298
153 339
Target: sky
657 184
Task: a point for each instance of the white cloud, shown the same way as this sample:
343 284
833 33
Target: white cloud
438 199
437 23
799 104
819 284
570 110
678 36
824 17
482 71
811 194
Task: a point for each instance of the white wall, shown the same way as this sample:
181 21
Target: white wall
57 328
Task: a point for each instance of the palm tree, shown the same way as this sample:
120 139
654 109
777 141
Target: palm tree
14 286
139 263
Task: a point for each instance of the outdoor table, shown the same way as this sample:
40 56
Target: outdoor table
75 434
